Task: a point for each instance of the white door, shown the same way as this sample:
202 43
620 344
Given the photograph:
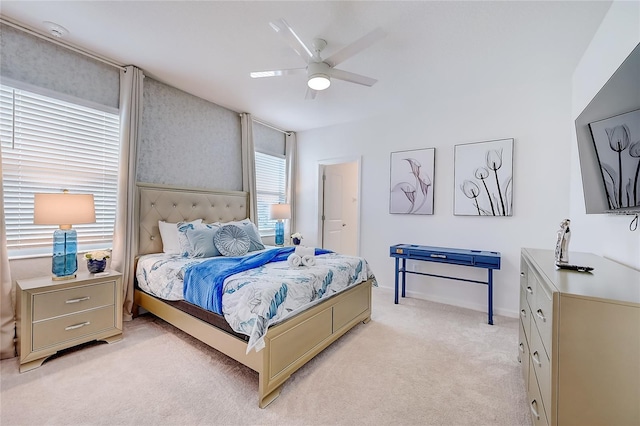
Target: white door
340 212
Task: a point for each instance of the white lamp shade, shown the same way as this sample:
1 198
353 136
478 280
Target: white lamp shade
63 209
280 211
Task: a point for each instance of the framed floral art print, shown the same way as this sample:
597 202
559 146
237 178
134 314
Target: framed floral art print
412 175
483 176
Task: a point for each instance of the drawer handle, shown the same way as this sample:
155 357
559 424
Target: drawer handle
439 256
534 404
522 274
79 299
521 347
523 313
540 315
529 290
73 327
536 358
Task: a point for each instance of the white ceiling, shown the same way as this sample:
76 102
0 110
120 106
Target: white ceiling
432 49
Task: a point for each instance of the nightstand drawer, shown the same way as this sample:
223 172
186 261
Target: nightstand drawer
63 329
62 302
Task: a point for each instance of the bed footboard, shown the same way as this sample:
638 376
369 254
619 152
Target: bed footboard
291 344
288 345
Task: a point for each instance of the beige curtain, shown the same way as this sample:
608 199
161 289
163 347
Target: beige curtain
125 242
291 148
7 292
249 165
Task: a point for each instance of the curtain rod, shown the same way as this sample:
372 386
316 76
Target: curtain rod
271 126
69 46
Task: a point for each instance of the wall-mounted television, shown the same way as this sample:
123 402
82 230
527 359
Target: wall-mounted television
608 135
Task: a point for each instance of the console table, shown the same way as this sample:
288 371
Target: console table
488 260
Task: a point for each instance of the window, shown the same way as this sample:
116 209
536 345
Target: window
49 145
270 189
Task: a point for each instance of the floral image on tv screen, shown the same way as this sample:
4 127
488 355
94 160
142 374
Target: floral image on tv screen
483 176
617 142
412 181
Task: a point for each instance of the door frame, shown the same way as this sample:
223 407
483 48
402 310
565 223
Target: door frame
331 162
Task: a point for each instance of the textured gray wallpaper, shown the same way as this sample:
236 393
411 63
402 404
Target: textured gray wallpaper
187 141
268 140
31 60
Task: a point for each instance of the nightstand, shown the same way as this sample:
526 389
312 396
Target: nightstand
56 315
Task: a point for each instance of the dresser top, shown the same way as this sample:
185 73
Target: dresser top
609 280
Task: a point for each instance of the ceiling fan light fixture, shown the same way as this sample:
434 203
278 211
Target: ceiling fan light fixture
318 81
318 73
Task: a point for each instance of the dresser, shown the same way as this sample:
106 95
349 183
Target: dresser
56 315
579 342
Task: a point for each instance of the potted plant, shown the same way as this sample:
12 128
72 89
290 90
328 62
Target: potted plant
296 238
97 260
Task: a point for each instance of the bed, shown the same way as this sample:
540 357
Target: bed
289 344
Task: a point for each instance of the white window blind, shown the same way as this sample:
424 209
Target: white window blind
49 145
270 188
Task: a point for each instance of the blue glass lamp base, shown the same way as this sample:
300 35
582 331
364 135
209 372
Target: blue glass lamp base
64 263
279 233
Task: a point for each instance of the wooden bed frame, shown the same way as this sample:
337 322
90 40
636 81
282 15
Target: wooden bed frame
289 344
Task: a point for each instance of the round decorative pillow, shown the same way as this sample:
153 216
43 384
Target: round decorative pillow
231 240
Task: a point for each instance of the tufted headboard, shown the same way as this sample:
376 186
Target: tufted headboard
173 204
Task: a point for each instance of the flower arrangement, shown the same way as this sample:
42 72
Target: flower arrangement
296 238
98 255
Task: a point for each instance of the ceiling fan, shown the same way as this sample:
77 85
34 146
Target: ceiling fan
320 71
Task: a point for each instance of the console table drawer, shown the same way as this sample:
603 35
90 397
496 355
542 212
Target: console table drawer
70 327
62 302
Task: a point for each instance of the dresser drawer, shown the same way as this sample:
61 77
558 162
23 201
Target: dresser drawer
542 315
535 402
59 330
523 355
525 314
541 367
62 302
531 287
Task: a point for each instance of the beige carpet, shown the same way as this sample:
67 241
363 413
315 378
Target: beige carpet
415 363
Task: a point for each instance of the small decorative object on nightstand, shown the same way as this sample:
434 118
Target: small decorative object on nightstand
55 315
296 238
97 260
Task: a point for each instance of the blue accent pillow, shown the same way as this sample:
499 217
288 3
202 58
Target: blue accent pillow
201 240
232 240
255 242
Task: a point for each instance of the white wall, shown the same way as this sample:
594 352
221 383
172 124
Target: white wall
617 36
535 114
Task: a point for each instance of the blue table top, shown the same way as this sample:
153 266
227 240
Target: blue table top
478 258
443 249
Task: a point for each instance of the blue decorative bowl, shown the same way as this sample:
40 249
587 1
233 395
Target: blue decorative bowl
94 266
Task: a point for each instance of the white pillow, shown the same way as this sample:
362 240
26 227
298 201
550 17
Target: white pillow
169 235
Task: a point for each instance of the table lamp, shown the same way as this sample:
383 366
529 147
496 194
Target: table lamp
280 212
64 210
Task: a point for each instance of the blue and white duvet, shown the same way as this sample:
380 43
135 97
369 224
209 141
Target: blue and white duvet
257 298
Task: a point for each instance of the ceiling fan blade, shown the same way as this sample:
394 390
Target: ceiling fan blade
353 77
277 73
284 29
355 47
311 94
